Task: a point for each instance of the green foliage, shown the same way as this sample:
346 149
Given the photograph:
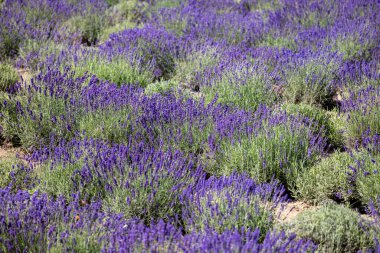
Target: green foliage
79 240
280 151
168 3
175 22
188 67
163 62
148 202
327 123
346 177
194 138
56 181
177 25
368 178
362 113
63 179
122 14
42 15
327 179
88 27
9 43
14 172
118 70
260 5
8 117
160 87
120 26
34 116
241 90
39 126
62 231
110 125
354 85
234 212
8 76
8 165
130 10
117 126
112 2
334 228
314 19
311 83
228 32
360 121
42 48
352 48
277 42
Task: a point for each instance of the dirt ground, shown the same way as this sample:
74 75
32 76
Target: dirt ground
7 151
25 74
289 211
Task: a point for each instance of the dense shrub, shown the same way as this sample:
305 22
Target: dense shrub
153 46
110 125
9 171
312 82
327 180
362 109
147 188
364 175
132 10
41 223
9 43
353 48
88 27
240 86
326 122
160 87
194 65
282 148
344 177
118 70
229 203
44 114
335 229
8 76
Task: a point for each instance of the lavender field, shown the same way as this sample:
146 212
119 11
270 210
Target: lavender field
189 126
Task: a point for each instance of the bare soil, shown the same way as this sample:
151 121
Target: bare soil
8 151
290 210
25 74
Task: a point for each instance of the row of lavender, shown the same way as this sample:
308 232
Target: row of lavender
189 131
